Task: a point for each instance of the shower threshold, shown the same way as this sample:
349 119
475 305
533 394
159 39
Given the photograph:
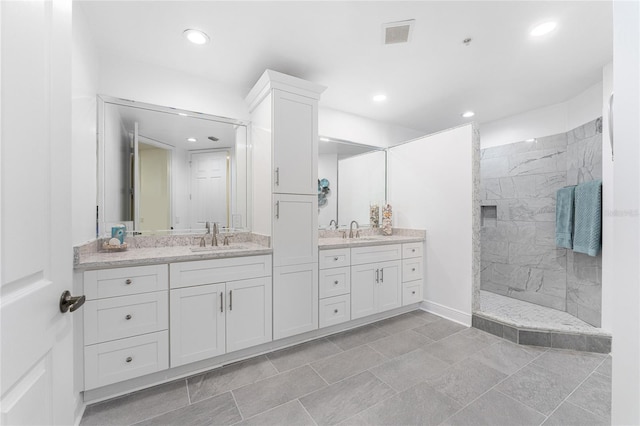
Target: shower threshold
529 324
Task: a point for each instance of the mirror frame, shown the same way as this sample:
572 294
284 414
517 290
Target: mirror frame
103 100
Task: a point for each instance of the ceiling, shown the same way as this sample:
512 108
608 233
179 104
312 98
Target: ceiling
429 81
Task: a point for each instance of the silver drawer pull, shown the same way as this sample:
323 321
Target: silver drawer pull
413 269
335 282
413 292
128 281
413 250
335 258
335 311
129 359
128 317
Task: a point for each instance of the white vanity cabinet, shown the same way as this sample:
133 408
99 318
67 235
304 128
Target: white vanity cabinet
126 320
375 287
209 317
295 229
295 299
412 272
335 287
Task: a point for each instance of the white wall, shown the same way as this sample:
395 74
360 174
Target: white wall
431 187
349 127
84 83
626 214
328 169
361 181
546 121
608 285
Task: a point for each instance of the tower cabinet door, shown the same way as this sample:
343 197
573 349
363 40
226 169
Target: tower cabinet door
364 296
295 300
295 229
248 313
389 286
295 144
197 324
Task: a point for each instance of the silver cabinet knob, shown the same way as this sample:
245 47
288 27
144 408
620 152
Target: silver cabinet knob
335 258
413 250
413 269
335 311
335 282
129 359
128 281
128 317
413 292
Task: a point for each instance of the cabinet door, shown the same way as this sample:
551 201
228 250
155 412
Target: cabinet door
295 144
248 313
389 286
295 300
363 290
295 229
197 323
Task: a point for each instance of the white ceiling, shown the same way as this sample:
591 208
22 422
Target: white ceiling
429 81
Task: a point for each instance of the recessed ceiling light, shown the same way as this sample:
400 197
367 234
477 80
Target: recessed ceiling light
530 140
468 114
196 36
182 114
380 98
544 28
192 140
324 139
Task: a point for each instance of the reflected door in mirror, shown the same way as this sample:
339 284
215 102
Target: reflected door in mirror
209 188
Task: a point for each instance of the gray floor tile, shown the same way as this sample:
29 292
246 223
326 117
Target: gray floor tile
605 367
538 388
508 357
356 420
400 323
594 395
467 380
306 353
426 316
482 336
346 398
455 348
419 405
138 406
358 336
570 415
440 329
348 363
400 343
408 370
290 414
219 410
229 377
495 408
578 365
276 390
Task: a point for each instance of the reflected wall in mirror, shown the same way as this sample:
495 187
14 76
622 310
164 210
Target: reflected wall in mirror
357 177
162 169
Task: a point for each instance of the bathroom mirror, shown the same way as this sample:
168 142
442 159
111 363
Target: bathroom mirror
356 176
163 170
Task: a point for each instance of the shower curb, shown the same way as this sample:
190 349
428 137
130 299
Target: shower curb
576 341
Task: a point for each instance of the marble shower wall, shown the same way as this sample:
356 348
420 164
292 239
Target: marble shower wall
519 256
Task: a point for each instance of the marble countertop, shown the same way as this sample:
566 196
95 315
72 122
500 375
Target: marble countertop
378 240
155 255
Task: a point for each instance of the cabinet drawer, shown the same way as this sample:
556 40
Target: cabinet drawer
412 269
335 310
410 250
125 316
362 255
411 292
111 362
334 258
187 274
124 281
334 282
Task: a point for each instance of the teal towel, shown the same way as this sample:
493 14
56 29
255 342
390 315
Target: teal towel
564 217
588 218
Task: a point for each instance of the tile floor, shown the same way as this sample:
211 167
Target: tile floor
412 369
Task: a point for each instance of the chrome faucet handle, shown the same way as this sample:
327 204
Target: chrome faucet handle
207 225
357 233
225 242
344 234
202 242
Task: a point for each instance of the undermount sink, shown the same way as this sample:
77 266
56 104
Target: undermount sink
218 248
367 238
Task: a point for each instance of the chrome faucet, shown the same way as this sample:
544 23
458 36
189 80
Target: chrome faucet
351 229
203 242
335 224
214 239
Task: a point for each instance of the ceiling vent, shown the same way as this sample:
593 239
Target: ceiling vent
397 32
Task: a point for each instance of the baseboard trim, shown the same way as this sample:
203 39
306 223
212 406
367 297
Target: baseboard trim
446 312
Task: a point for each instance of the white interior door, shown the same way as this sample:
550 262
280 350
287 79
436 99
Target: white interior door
35 241
209 188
